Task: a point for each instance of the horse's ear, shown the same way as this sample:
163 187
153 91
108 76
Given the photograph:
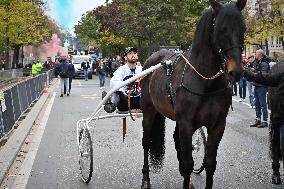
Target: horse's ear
215 5
241 4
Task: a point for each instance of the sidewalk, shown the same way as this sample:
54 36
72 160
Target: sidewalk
10 149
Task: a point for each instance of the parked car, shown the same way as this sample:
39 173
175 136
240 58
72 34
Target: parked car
77 61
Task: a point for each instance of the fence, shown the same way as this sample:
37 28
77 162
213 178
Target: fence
17 99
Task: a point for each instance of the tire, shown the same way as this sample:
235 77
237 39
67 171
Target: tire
86 155
198 150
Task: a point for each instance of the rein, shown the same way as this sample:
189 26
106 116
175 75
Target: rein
129 103
220 72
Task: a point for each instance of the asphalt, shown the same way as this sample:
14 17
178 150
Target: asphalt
16 138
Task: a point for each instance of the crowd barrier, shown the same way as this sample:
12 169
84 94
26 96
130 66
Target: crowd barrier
17 99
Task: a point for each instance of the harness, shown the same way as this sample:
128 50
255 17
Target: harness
169 69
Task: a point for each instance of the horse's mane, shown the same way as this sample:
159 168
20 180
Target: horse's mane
203 32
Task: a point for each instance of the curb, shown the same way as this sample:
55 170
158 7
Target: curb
9 151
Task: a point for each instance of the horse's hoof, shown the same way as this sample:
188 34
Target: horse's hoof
146 184
276 179
188 185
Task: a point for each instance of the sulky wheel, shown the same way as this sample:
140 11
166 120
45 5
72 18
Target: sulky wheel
198 150
86 155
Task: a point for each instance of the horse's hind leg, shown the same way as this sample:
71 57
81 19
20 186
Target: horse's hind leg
214 137
147 123
184 144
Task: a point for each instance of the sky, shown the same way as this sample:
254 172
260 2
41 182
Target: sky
68 12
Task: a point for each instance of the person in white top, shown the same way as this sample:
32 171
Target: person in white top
120 97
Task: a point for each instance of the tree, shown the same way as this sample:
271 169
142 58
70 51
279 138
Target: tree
265 22
23 23
151 24
87 30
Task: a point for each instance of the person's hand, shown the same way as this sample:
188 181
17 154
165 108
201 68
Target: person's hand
249 75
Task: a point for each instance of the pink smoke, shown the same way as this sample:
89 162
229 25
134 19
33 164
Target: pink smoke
48 49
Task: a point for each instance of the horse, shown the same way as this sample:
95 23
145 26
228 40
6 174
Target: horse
273 129
194 91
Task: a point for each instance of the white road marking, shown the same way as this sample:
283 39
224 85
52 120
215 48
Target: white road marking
24 174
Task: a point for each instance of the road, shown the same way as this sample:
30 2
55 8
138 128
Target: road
49 158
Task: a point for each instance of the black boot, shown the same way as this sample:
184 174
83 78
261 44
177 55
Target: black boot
109 106
256 123
276 179
263 125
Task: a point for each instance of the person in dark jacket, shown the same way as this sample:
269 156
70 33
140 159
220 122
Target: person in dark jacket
275 78
260 65
71 71
64 76
85 66
101 70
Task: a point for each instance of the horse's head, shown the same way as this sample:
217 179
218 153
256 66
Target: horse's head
228 35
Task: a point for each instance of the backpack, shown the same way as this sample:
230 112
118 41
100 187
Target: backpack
64 70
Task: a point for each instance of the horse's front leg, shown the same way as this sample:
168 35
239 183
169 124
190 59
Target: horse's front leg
185 155
215 135
177 142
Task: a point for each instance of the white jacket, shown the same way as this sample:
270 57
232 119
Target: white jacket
121 74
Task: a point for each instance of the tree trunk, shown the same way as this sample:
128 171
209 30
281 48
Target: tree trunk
7 54
16 56
22 56
282 41
266 47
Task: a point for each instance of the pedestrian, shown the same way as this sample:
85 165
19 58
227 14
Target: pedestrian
250 85
101 70
71 70
34 68
64 76
94 66
234 88
260 66
132 91
274 79
85 66
38 67
242 89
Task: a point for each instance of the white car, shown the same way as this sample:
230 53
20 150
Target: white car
77 61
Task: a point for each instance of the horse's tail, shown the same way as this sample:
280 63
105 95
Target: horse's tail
157 147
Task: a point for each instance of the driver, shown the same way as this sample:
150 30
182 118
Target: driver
120 98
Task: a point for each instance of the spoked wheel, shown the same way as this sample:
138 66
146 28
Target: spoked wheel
198 150
86 155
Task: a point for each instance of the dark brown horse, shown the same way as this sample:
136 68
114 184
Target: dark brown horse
196 94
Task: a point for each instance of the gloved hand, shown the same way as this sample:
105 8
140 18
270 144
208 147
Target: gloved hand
249 75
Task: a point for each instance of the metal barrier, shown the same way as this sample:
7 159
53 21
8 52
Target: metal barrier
16 100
